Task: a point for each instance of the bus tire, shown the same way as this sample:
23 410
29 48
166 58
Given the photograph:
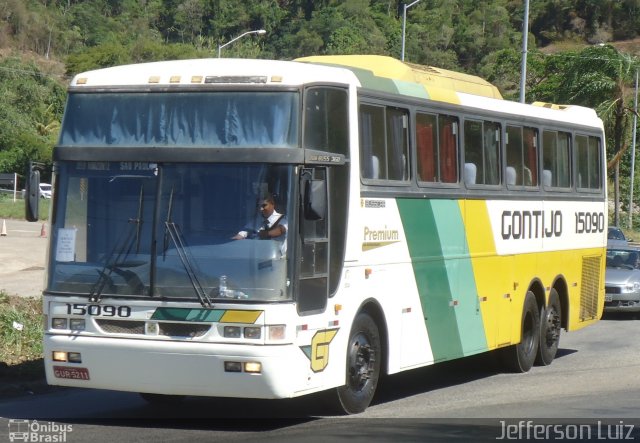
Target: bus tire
364 356
550 329
520 357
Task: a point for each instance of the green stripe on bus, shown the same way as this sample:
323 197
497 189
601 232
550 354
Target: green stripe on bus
411 89
451 231
188 314
370 81
444 276
430 270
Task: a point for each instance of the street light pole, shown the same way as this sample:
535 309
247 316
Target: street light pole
404 24
525 38
258 31
633 153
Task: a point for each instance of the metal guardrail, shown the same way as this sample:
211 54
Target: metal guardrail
9 192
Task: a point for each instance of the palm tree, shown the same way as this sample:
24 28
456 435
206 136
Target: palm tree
601 77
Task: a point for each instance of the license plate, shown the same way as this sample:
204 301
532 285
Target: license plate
72 373
608 298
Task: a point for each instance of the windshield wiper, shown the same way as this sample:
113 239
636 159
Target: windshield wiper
113 265
185 257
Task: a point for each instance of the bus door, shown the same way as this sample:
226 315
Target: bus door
313 289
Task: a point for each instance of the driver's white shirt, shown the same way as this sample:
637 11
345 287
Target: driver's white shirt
259 223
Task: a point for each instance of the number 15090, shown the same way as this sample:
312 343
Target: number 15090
98 310
589 222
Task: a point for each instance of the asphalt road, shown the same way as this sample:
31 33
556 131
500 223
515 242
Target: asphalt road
592 388
594 380
22 257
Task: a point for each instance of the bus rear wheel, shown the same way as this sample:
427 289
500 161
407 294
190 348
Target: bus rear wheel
364 355
520 357
550 329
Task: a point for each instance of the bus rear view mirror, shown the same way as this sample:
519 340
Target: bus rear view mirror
315 199
32 193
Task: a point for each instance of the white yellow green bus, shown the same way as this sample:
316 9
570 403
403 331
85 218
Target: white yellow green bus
427 220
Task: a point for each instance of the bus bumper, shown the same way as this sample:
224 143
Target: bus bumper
177 368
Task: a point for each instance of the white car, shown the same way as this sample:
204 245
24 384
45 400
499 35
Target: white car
45 190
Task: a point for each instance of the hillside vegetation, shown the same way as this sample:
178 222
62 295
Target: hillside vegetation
580 51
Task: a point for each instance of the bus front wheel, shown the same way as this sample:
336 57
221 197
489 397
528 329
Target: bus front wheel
364 356
550 328
520 357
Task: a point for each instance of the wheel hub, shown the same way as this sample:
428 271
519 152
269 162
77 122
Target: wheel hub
361 363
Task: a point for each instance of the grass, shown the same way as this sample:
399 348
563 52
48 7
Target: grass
21 331
21 318
16 210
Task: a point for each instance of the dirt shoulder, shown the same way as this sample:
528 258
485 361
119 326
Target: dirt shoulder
22 257
23 248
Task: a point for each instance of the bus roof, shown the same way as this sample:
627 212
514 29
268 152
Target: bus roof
387 73
220 71
374 72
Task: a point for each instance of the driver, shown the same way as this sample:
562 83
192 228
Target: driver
272 224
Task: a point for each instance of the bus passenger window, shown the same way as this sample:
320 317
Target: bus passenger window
426 141
472 152
384 143
530 157
556 157
522 156
595 163
373 157
448 146
588 162
482 149
397 144
437 148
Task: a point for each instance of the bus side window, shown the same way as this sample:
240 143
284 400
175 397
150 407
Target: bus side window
437 148
482 149
556 155
595 168
373 158
588 168
426 145
384 142
448 148
530 157
326 125
473 153
397 143
513 144
522 156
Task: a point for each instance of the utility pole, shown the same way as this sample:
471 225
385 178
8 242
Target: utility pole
404 25
257 31
633 153
525 38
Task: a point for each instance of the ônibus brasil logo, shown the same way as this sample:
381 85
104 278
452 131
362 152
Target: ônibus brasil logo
34 431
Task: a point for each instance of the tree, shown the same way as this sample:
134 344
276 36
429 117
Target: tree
599 77
32 105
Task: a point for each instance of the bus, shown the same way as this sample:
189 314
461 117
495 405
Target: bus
427 219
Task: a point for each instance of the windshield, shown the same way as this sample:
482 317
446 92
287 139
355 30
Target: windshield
166 230
195 119
623 258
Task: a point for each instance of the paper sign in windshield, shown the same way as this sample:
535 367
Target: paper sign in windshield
66 245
